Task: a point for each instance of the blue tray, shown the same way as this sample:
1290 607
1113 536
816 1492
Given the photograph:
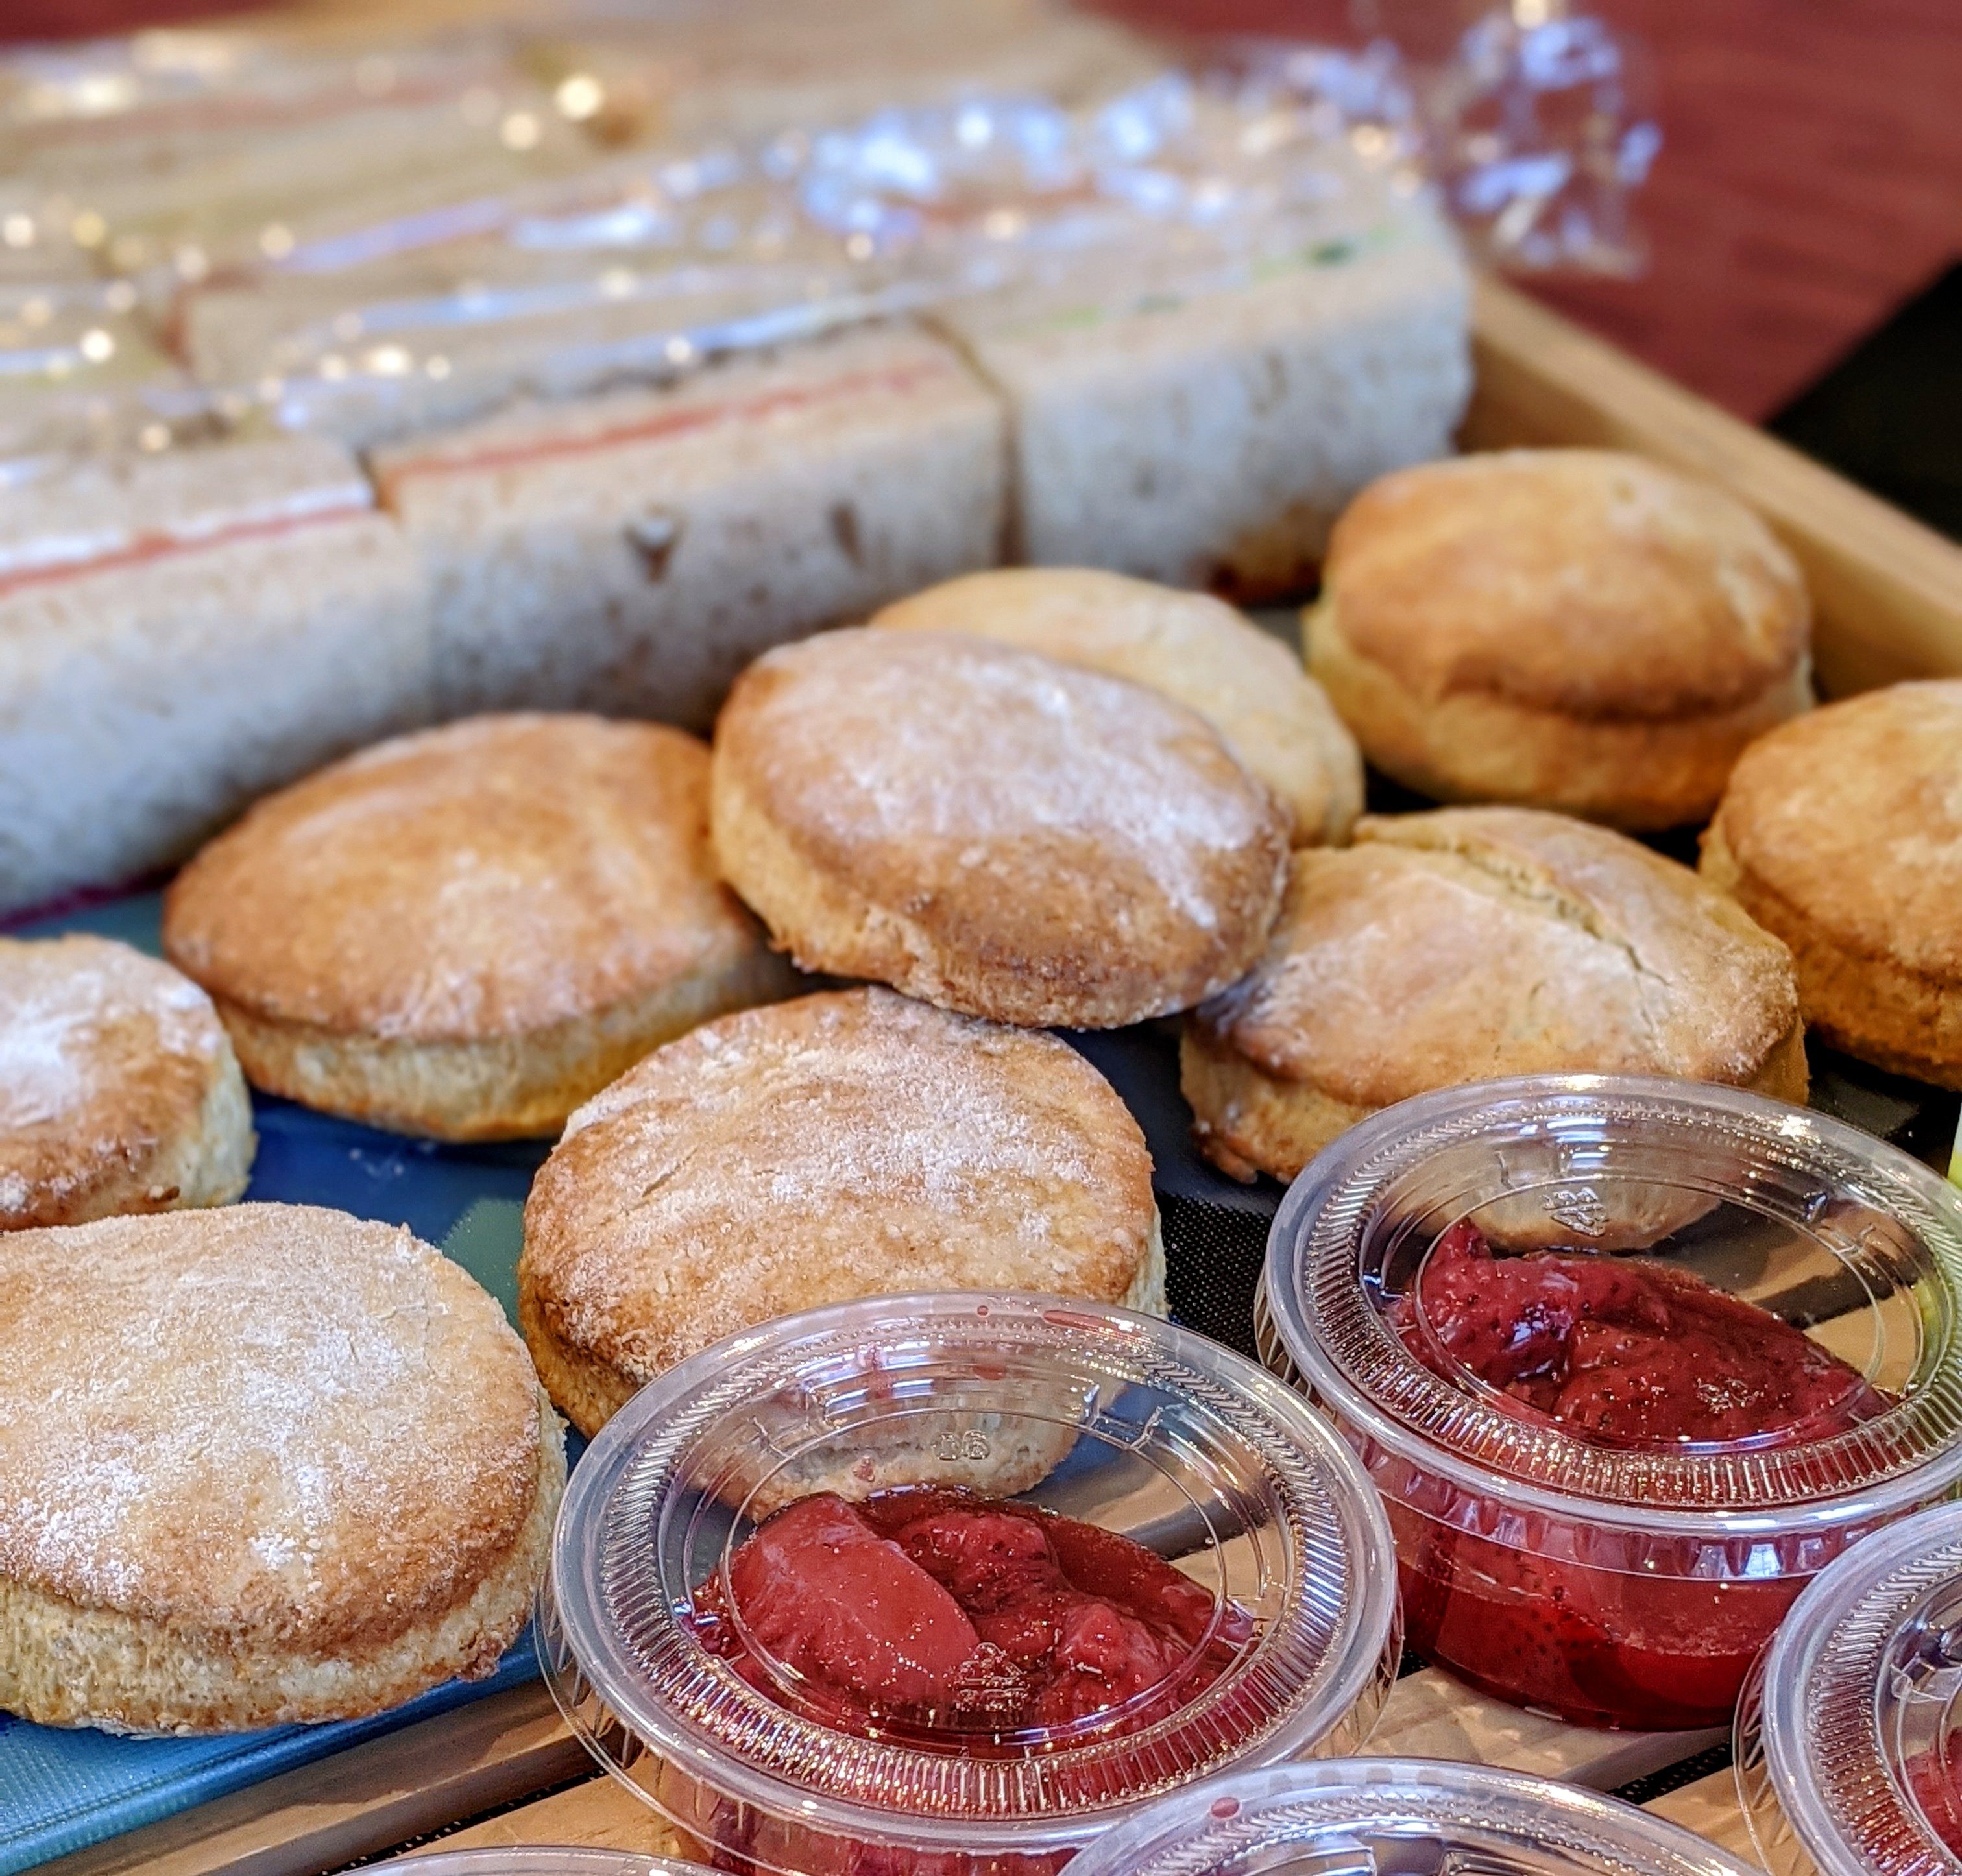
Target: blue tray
60 1790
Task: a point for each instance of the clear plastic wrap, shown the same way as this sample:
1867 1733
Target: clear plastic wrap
82 372
372 239
646 265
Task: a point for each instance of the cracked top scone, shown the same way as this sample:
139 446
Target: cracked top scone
1842 834
1195 648
1474 942
991 830
1576 629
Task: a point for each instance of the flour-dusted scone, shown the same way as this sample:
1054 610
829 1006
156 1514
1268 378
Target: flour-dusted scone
467 932
1198 650
1842 834
180 633
632 552
997 832
1203 423
1573 629
119 1090
266 1464
850 1143
1474 942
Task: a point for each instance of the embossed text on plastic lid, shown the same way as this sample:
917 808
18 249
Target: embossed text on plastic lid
1849 1734
1416 1817
1098 1415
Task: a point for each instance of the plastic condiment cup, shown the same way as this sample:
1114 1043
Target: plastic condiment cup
1627 1585
1849 1734
1413 1817
1107 1417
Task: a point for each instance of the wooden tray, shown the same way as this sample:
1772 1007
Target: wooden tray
1889 598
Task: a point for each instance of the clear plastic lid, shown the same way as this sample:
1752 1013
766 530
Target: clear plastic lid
548 1859
1831 1231
1411 1817
1110 1419
1849 1735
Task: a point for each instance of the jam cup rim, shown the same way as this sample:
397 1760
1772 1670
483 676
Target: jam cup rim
587 1659
1192 1832
1392 1142
1808 1737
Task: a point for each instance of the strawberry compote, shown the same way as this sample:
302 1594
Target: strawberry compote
1532 1306
963 1622
1622 1352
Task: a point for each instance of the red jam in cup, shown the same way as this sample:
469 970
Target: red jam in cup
969 1618
945 1586
1619 1351
1630 1361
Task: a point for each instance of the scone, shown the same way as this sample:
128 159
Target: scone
1474 942
119 1090
466 932
256 1466
1564 628
1842 834
846 1144
997 832
1196 649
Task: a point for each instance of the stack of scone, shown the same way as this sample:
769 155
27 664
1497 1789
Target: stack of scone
1023 798
1559 633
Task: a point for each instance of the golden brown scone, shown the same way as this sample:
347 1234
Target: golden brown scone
1842 834
267 1464
1196 649
1574 628
847 1144
995 832
466 932
1474 942
119 1090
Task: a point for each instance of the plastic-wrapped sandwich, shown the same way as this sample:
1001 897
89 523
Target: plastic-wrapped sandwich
292 163
1203 424
705 69
179 633
632 552
81 370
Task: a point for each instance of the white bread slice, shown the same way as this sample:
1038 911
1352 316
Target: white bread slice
1206 431
180 633
631 553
